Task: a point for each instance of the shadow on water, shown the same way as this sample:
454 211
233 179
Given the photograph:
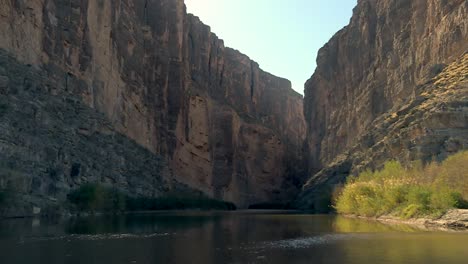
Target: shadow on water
353 225
136 223
224 237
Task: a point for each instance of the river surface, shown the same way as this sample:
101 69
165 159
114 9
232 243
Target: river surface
229 237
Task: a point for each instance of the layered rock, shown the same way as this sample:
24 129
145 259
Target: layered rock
368 102
163 80
52 143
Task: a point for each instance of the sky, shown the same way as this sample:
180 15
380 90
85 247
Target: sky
283 36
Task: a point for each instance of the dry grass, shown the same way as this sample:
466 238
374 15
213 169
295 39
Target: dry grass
454 74
407 192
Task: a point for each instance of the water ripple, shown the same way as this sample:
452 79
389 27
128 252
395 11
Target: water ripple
96 237
307 242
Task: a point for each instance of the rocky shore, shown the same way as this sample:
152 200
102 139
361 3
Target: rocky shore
453 220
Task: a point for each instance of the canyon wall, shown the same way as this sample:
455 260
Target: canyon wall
208 115
374 95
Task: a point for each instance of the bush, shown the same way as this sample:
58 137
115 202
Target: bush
2 199
3 109
269 206
7 200
96 198
453 172
177 202
419 195
93 197
408 192
412 211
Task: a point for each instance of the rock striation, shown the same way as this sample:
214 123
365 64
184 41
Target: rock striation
180 106
52 143
390 85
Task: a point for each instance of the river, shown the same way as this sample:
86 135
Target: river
224 237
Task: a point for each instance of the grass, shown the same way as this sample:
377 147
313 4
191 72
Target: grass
417 191
96 198
453 74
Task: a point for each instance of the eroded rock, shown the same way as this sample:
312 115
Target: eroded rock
163 80
373 96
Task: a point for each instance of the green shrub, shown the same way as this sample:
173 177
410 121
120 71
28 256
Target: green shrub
407 192
96 198
395 196
177 202
87 198
7 200
453 172
419 195
2 198
442 198
412 211
268 206
3 109
357 198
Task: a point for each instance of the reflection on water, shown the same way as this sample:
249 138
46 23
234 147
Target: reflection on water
234 237
353 225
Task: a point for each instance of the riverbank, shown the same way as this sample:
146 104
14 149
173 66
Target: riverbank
415 191
453 220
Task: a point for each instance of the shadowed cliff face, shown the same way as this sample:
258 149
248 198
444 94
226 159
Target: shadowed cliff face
362 105
162 79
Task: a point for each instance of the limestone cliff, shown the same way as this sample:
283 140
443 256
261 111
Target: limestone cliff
51 143
157 77
373 96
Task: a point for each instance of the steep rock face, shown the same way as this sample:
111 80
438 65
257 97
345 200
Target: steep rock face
374 64
52 143
362 103
431 126
164 80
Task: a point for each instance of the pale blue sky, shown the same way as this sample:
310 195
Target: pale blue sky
283 36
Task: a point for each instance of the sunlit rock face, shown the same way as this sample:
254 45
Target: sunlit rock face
159 78
373 96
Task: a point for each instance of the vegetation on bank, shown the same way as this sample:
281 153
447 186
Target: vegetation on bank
177 202
6 200
270 206
2 198
417 191
96 198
